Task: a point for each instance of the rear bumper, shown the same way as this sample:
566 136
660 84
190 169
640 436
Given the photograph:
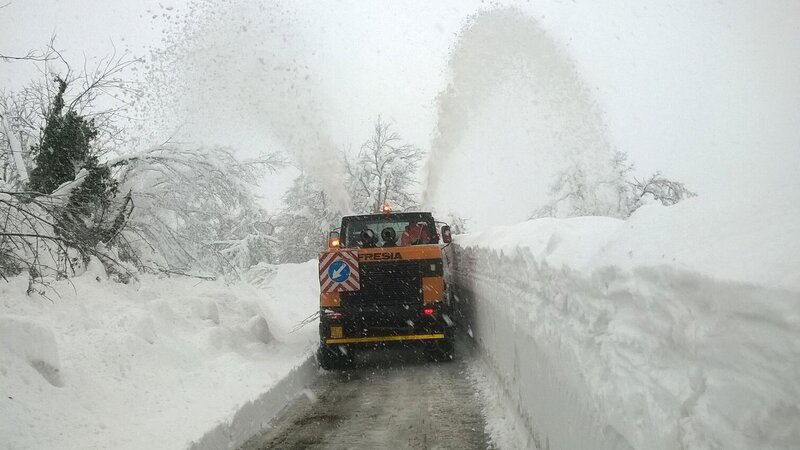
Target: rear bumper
382 339
383 325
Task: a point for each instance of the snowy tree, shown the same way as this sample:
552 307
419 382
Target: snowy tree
384 171
65 112
185 210
458 224
304 223
91 214
660 189
166 209
69 203
14 160
94 91
195 209
64 148
573 194
22 118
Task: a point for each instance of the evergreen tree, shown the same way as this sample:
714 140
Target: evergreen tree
64 148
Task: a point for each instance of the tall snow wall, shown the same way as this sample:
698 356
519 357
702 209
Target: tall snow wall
602 355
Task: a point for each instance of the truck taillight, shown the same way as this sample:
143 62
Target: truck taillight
428 311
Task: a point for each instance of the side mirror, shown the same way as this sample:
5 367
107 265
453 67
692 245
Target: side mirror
447 236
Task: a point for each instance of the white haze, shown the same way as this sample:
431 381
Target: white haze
515 115
705 92
237 76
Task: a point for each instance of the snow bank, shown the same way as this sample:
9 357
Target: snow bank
163 363
751 240
679 328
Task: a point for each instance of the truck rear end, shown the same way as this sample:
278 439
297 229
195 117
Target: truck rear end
383 283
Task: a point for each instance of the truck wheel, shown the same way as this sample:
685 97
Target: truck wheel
441 351
332 358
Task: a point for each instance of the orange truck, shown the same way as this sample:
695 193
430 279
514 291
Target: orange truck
382 282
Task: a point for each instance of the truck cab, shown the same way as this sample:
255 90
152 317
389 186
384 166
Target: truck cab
383 283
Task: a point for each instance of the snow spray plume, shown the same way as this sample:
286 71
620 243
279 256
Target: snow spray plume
232 74
514 120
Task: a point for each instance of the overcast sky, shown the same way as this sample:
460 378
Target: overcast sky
700 91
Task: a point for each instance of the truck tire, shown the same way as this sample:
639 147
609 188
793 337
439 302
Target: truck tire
440 351
332 358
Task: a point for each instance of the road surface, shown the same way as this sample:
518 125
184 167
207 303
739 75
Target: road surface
391 399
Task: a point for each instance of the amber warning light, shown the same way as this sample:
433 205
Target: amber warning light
385 208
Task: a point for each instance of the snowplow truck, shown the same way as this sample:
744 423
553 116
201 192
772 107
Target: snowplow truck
382 283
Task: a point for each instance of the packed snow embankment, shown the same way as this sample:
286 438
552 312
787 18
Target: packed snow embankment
609 334
161 363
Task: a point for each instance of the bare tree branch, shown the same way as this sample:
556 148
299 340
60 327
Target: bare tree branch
384 170
48 54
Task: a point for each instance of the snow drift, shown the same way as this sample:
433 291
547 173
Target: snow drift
679 328
163 363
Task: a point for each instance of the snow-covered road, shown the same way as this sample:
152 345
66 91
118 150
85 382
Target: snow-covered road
392 396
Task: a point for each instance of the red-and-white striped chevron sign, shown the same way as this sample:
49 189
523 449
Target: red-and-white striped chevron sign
338 271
